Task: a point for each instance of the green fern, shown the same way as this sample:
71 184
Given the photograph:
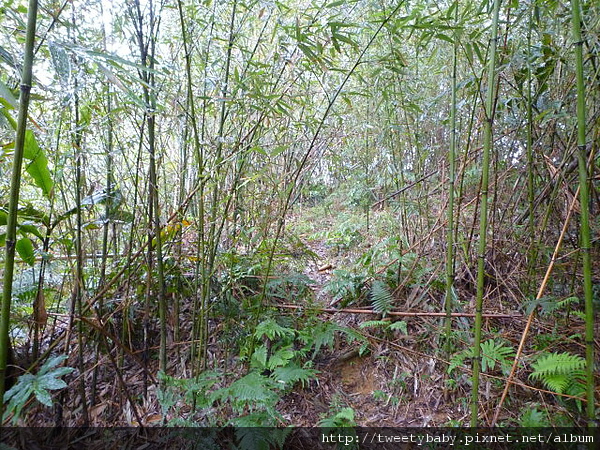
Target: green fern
532 418
400 325
381 297
323 335
549 304
342 418
281 358
374 324
251 436
47 379
345 286
560 372
458 359
271 329
251 391
292 374
492 352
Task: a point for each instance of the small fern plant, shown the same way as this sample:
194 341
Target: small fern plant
400 325
492 353
381 297
340 420
345 287
532 418
562 373
344 417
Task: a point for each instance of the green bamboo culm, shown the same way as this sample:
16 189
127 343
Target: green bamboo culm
585 238
483 222
451 188
533 251
15 184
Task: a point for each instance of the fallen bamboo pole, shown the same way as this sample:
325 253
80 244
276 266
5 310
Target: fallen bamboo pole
399 313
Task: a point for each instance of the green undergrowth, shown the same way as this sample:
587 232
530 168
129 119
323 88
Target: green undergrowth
282 359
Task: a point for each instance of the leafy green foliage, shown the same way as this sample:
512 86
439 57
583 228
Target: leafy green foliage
492 353
292 374
344 236
381 297
560 372
345 286
342 418
549 304
37 166
250 436
322 334
400 325
39 384
380 255
374 324
532 418
24 247
172 391
291 287
271 329
251 391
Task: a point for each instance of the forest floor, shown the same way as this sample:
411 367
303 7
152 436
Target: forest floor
391 385
401 379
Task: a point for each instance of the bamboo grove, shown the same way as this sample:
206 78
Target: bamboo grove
174 174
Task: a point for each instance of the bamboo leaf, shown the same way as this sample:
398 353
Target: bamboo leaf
444 37
10 100
25 249
28 229
38 167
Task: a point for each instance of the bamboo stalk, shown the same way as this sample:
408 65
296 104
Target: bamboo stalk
585 239
483 222
451 191
15 184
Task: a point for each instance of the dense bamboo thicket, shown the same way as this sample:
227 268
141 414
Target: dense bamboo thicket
323 213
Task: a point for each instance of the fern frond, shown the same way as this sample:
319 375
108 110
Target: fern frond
381 297
251 434
374 324
493 352
532 418
400 325
250 390
560 372
556 363
556 382
292 374
259 357
343 418
281 357
458 359
271 330
323 335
